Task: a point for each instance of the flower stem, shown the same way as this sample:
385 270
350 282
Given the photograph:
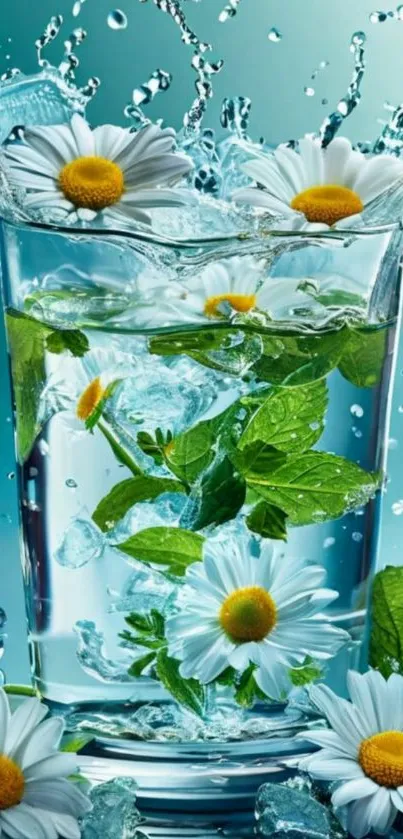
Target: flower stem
120 453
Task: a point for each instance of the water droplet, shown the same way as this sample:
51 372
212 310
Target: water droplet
356 431
117 19
378 17
309 91
392 443
11 475
8 419
357 537
399 12
33 472
43 447
357 411
400 409
71 483
397 507
274 35
358 39
325 101
329 542
3 618
5 518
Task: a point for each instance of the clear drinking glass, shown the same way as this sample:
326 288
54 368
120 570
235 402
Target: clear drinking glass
103 396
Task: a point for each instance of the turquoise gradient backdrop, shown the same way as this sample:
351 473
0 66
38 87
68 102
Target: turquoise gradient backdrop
273 75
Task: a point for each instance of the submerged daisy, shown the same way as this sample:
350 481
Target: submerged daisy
83 172
364 750
36 799
238 608
316 188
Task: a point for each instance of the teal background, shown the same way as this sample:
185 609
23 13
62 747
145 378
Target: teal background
273 75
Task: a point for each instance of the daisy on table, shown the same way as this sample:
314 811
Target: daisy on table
83 172
363 750
316 188
36 799
237 609
235 285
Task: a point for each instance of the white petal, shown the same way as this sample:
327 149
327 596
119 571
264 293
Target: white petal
326 767
328 739
83 136
312 157
342 716
266 173
5 717
353 791
291 167
261 198
27 159
336 158
59 140
24 820
66 826
59 796
358 821
369 693
111 140
377 176
31 180
154 198
148 142
56 766
395 701
43 741
381 812
23 721
208 661
156 171
48 199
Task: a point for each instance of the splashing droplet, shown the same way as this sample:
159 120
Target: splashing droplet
51 32
397 508
378 17
235 115
11 475
309 91
357 411
332 123
71 483
274 35
329 542
158 82
357 537
117 19
229 11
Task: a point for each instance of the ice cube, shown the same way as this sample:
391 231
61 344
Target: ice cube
92 655
284 812
43 99
114 814
81 543
166 511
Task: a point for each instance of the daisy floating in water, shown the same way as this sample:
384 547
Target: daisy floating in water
364 750
316 188
82 173
36 799
237 285
239 609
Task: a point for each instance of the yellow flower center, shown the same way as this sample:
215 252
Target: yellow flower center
89 399
327 204
92 182
12 783
381 758
239 302
248 614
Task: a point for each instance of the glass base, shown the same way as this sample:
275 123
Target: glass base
216 766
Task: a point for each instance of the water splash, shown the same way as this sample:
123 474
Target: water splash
229 11
77 7
274 35
204 69
390 141
349 102
159 82
70 62
380 17
235 115
117 19
51 32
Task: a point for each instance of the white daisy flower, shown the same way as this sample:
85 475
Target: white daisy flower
237 284
364 750
81 172
36 799
239 609
316 188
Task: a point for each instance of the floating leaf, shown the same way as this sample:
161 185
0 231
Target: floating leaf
363 359
68 339
189 454
220 494
228 350
315 486
305 675
247 691
126 494
171 547
75 742
26 339
268 521
386 644
301 359
290 419
188 692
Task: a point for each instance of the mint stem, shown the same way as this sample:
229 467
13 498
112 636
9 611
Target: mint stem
120 453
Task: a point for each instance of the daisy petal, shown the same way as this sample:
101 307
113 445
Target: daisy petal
83 136
353 790
58 765
58 795
23 722
5 717
44 739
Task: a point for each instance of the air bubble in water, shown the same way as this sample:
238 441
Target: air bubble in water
229 11
274 35
397 507
357 537
400 409
71 483
11 475
358 39
117 19
325 101
309 91
392 444
399 12
378 17
329 542
357 411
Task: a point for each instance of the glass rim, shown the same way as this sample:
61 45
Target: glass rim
260 236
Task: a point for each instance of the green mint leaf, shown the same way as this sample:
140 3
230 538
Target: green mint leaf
136 669
122 456
268 521
305 675
247 691
188 692
290 419
26 340
126 494
220 493
154 446
258 458
68 339
189 454
298 360
386 643
75 742
228 350
362 361
227 677
315 487
171 547
152 624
